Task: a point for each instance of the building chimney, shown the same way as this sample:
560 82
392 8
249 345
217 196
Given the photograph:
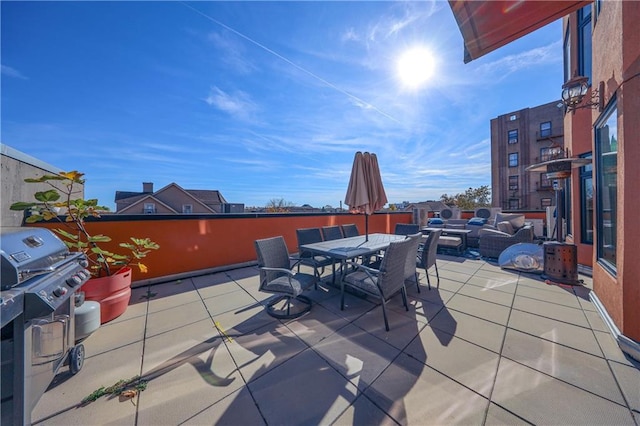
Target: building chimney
147 187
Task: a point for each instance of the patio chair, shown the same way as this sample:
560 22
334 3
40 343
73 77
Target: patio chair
410 267
350 230
310 236
277 277
406 229
493 242
384 282
427 257
331 233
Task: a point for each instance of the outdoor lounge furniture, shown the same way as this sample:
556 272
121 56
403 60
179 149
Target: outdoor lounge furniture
427 257
305 257
277 277
331 233
406 228
493 241
350 230
384 282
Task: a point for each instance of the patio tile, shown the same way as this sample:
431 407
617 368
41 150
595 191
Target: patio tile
611 349
363 412
244 320
563 333
629 380
453 275
487 294
596 322
498 282
542 399
239 408
174 318
487 334
479 308
206 287
578 368
354 306
193 385
168 350
551 310
171 294
317 325
497 415
325 396
413 393
549 294
112 336
466 363
450 285
258 352
402 328
437 296
61 403
229 302
356 354
419 310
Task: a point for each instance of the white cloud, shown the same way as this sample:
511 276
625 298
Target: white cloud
12 72
239 104
530 58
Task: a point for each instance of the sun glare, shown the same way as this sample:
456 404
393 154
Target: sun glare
415 67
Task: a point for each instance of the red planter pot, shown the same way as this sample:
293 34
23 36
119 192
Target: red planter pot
113 293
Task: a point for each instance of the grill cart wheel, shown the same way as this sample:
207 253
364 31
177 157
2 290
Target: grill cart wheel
76 358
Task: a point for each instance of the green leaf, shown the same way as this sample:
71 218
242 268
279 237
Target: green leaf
46 196
34 218
99 239
67 234
21 205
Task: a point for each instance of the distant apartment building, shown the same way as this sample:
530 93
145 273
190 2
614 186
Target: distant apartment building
173 199
518 140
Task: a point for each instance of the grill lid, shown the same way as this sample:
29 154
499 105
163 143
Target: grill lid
28 252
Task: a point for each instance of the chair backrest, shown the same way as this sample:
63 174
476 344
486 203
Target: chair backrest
406 228
273 253
392 268
428 258
331 233
350 230
410 261
307 236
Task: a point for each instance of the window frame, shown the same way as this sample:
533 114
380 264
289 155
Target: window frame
605 261
543 202
512 140
587 222
515 154
545 133
187 207
585 42
512 186
149 208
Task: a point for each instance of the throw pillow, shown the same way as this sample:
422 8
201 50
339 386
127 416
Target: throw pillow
516 220
505 226
478 221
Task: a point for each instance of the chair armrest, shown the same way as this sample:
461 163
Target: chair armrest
284 270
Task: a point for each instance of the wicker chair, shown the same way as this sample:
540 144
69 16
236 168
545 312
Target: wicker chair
331 233
384 282
493 242
318 263
350 230
276 277
427 257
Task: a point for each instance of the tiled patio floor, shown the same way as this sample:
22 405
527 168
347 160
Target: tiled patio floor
488 347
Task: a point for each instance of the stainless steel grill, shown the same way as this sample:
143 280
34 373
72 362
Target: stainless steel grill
39 277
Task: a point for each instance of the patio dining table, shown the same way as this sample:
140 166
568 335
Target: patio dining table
344 249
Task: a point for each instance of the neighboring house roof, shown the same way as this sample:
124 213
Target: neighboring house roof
205 198
145 199
434 206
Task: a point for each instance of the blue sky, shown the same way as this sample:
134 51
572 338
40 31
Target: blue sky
260 100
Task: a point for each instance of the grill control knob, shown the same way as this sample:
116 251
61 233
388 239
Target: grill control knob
74 281
84 263
60 291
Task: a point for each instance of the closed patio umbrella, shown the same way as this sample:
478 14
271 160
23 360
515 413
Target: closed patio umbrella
365 193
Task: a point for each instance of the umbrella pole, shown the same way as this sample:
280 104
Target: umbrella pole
366 227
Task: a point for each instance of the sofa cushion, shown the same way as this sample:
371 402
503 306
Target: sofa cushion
505 226
517 220
436 221
477 221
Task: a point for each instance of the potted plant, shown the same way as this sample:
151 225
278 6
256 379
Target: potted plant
111 272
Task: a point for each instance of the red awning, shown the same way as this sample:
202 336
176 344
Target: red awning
488 25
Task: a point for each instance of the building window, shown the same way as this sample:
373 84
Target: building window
513 136
513 117
544 181
586 202
514 204
545 129
513 159
545 202
149 208
187 208
607 184
546 154
584 41
513 183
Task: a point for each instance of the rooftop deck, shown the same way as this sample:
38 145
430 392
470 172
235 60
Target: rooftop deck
488 347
